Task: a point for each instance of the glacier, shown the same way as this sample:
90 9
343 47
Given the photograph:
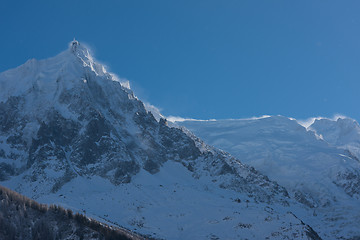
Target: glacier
318 165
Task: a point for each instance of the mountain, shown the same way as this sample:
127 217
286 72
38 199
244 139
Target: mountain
23 218
341 132
318 165
72 134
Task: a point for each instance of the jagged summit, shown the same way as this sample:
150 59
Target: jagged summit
83 54
44 80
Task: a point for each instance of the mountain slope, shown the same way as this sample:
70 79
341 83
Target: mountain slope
71 134
325 177
23 218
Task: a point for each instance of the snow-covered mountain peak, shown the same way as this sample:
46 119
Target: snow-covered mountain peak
83 54
65 120
343 124
72 133
70 69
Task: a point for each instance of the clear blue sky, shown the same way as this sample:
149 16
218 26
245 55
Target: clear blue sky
206 59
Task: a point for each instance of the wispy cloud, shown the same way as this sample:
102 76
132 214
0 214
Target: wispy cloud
181 119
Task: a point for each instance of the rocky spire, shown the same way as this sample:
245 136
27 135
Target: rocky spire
74 45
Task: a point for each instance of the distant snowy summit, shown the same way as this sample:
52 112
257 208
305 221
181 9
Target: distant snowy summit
341 132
